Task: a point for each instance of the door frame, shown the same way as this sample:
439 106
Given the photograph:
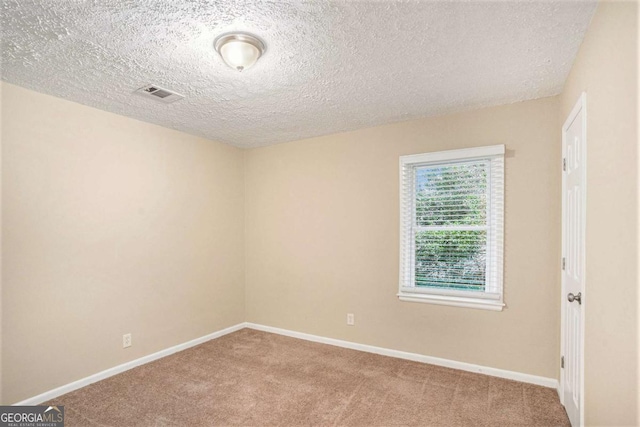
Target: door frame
580 106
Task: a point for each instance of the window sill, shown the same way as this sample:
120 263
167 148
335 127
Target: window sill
452 301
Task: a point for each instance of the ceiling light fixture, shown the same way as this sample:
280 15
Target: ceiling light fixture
239 50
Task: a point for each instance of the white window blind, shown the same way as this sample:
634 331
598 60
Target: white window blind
452 227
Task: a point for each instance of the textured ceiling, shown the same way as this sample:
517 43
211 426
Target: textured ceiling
329 66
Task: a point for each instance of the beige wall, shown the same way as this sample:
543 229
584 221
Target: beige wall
1 381
322 239
606 69
110 226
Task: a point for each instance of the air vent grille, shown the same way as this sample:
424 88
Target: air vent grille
159 94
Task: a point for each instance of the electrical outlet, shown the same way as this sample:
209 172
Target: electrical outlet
351 319
126 340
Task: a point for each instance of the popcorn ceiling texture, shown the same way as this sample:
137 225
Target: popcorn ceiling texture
329 66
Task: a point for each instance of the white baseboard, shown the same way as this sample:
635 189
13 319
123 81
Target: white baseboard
67 388
495 372
52 394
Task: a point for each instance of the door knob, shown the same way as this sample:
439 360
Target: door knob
572 297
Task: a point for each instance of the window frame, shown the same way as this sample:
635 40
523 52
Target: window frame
493 296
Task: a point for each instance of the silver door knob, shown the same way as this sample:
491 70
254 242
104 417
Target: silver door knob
572 297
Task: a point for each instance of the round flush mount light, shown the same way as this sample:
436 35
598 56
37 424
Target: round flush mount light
239 51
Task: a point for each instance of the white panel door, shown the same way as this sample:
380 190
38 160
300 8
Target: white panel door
573 240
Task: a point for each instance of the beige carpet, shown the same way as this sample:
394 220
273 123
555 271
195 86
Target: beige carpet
253 378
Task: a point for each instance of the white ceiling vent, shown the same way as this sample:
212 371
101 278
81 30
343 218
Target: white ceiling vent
159 94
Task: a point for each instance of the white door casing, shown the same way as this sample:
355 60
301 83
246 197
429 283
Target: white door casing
574 147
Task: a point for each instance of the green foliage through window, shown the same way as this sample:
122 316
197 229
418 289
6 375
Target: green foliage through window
451 226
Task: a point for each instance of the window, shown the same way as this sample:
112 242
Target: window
451 227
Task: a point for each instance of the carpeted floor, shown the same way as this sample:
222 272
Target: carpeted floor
253 378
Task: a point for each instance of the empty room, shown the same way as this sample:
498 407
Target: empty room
327 213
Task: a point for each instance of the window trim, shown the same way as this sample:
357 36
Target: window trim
492 299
